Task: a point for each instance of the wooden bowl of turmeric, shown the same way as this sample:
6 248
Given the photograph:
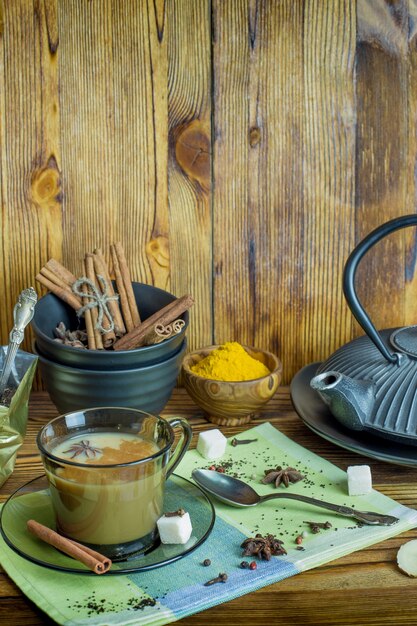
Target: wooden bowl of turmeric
230 382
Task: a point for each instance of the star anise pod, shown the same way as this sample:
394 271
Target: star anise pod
280 475
83 447
263 547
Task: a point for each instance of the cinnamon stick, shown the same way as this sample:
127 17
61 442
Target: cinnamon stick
124 287
165 316
124 268
89 326
100 267
59 270
67 296
124 301
89 272
157 334
95 561
109 337
55 279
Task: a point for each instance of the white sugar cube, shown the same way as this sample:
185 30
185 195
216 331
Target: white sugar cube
175 528
359 480
211 444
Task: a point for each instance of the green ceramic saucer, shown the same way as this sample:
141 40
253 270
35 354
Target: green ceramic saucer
32 501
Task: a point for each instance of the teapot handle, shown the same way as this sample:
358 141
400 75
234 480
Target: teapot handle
349 279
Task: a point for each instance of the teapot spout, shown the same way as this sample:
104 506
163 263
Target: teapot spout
349 400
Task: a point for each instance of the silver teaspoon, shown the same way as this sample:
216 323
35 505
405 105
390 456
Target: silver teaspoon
22 315
237 493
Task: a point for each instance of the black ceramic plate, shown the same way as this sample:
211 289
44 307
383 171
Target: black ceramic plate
316 415
32 501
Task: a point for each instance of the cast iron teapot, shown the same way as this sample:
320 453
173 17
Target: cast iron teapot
371 383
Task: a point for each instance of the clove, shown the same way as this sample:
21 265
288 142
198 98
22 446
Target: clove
316 526
178 513
237 442
221 578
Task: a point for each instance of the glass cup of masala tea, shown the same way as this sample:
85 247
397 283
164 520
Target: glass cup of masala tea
107 469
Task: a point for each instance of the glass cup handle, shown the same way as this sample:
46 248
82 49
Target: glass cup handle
182 446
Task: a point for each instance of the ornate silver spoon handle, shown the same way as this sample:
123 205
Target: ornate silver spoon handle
366 517
22 314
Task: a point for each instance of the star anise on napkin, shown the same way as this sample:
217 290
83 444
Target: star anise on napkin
280 475
263 547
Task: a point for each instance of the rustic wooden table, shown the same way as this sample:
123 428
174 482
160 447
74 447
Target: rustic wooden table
365 587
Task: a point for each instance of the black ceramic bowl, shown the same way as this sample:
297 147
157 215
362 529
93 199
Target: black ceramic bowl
50 310
147 388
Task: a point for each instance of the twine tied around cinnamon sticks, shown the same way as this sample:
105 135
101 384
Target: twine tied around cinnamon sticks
111 319
97 299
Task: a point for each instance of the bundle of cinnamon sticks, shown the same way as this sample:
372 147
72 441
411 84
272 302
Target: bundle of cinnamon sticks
112 317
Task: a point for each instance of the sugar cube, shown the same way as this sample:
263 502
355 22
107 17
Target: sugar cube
211 444
175 528
359 480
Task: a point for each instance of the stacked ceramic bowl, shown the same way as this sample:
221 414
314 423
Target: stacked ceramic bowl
76 378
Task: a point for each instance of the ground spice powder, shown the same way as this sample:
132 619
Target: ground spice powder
230 362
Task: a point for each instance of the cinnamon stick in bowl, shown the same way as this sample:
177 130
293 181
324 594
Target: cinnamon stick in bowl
172 311
124 286
101 269
96 562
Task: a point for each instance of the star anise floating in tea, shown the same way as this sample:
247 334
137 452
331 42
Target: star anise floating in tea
281 476
263 547
83 447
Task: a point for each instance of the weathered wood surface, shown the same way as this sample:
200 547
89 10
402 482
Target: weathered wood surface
238 150
364 588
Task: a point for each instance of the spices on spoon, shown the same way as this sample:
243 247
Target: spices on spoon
230 362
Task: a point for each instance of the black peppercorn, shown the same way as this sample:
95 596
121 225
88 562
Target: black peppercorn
206 562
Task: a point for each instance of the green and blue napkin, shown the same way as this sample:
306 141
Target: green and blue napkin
169 593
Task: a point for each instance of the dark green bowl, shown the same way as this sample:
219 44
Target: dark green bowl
147 388
50 310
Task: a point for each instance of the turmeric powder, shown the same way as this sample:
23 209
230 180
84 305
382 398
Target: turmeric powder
230 362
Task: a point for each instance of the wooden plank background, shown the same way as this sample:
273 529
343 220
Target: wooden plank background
238 148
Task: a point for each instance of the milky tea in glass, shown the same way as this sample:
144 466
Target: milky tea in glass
107 469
